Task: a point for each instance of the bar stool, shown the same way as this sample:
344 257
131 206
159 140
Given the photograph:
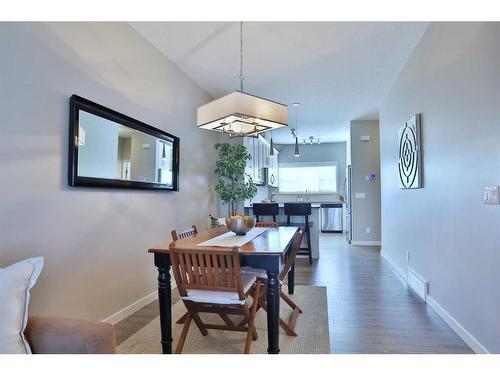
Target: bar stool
304 210
266 209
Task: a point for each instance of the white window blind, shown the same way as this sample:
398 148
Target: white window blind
318 178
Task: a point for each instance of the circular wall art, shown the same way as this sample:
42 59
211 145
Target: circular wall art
409 164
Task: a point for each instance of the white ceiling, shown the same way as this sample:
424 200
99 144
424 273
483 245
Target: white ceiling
338 71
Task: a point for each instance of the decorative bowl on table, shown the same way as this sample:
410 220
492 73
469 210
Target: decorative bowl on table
240 225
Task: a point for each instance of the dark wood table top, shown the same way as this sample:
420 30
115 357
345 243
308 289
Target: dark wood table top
274 241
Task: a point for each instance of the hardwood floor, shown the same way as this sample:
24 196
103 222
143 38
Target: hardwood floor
370 309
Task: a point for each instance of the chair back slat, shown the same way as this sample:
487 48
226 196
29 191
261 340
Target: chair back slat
196 269
209 269
185 233
189 268
230 272
222 263
295 247
203 269
216 274
217 270
183 272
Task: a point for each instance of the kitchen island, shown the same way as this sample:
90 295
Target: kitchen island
314 222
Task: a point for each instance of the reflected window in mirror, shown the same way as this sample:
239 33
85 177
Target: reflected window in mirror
164 162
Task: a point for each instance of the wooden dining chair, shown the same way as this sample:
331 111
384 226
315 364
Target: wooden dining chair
260 274
209 281
185 233
177 236
266 224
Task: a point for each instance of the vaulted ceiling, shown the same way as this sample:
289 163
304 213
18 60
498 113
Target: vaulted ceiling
338 71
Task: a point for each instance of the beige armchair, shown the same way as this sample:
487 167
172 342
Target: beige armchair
69 336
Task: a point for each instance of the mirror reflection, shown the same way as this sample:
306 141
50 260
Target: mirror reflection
109 150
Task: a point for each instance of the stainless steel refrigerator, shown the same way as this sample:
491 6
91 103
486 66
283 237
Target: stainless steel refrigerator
348 204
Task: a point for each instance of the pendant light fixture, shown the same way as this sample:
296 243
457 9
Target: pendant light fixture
271 152
240 114
296 152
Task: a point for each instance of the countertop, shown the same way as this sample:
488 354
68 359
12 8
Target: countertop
313 204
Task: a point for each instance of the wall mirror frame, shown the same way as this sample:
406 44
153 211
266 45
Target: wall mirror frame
80 174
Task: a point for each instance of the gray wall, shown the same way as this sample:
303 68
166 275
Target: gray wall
453 80
94 240
143 160
98 157
365 158
325 152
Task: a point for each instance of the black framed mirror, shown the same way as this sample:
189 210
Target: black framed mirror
109 149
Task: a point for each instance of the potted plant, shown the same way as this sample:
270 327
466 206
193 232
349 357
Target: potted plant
232 187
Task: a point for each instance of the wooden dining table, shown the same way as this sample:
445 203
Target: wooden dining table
266 251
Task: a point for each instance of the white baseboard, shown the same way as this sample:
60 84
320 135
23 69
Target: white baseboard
137 305
417 284
397 270
365 243
130 309
470 340
457 327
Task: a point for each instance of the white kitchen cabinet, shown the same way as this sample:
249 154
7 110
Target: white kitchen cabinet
265 155
257 162
249 170
259 150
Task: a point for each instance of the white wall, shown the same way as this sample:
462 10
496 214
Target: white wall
365 158
453 80
94 240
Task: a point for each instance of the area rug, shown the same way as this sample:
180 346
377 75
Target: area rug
312 330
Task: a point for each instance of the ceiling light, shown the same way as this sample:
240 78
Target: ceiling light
296 152
310 140
241 114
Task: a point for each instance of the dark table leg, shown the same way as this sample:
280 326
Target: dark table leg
291 279
273 309
162 262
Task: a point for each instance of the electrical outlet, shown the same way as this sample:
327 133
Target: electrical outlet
490 194
407 256
368 230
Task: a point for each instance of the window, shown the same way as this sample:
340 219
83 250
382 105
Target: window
318 178
164 162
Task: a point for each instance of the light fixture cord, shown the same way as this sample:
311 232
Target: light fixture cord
241 56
